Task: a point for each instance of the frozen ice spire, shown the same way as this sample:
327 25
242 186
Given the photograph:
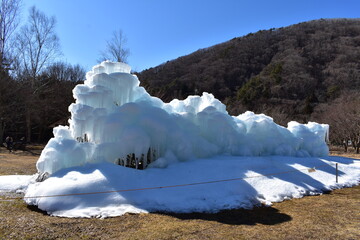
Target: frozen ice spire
115 120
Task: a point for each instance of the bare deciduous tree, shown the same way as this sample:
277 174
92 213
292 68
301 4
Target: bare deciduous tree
37 43
65 72
116 48
37 46
9 21
343 117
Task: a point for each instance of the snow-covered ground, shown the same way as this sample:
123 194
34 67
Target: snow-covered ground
197 157
209 185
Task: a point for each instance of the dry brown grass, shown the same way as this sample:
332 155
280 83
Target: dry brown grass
339 151
335 215
19 162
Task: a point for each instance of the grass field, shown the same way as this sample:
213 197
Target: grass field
334 215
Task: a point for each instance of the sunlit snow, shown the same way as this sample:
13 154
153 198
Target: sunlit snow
189 149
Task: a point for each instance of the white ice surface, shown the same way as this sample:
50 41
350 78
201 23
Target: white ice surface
15 183
288 178
113 117
191 141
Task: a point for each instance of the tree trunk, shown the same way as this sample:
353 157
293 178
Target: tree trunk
41 132
354 143
28 124
2 129
29 108
345 145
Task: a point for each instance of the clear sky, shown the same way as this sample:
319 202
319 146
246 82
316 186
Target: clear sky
162 30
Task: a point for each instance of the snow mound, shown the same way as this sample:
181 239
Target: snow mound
201 185
115 120
190 149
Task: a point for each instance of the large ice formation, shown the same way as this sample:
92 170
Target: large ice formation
115 120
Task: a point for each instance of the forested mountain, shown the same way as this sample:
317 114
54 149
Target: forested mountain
290 73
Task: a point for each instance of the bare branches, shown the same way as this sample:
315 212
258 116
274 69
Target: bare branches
9 21
37 43
65 72
343 117
116 48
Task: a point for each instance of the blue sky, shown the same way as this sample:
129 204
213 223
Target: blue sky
162 30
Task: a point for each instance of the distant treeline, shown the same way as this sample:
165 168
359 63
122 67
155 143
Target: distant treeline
45 103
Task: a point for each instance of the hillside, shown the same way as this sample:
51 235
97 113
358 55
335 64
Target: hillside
290 73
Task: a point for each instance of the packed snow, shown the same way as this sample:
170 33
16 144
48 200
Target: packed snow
195 156
256 180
